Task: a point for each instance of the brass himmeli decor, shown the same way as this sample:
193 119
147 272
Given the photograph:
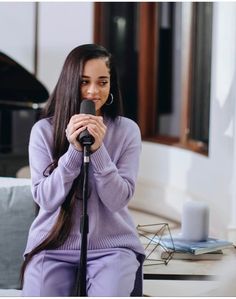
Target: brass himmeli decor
153 237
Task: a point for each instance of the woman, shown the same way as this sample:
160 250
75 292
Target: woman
114 251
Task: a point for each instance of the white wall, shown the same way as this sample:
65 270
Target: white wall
62 26
17 32
168 175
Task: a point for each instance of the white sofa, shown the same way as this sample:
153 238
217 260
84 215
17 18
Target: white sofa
16 215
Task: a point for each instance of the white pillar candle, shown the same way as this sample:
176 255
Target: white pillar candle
195 221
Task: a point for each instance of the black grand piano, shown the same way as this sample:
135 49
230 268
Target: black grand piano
21 97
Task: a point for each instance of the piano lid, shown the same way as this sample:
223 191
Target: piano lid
18 87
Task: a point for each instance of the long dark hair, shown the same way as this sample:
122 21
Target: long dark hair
62 104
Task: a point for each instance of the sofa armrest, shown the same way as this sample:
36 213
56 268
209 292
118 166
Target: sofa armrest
16 216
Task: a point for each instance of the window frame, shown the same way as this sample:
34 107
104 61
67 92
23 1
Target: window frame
147 65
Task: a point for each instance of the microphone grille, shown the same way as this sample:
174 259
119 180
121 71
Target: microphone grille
87 107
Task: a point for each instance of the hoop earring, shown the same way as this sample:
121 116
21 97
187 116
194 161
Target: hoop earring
111 101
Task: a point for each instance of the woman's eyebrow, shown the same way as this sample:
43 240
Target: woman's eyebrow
103 77
100 77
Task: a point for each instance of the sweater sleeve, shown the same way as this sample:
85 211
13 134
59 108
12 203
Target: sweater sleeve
50 192
115 182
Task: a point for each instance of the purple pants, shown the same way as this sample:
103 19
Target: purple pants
110 272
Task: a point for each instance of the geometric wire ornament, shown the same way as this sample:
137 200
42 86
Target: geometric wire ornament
153 237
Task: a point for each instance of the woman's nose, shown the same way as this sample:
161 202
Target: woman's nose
92 89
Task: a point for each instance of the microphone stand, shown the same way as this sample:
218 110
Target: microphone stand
81 289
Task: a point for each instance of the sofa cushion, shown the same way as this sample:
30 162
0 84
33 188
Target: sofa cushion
10 293
16 215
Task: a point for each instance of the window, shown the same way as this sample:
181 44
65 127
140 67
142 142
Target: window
165 49
201 79
118 33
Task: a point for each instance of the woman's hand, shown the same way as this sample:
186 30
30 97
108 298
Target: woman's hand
80 122
97 129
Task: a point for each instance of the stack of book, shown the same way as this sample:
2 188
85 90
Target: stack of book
177 248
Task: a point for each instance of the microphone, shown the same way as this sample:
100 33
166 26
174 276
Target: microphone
86 107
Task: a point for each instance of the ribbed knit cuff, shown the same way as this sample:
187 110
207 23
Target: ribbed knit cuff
100 159
72 159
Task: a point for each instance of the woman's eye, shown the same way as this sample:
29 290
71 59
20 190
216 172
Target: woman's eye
103 83
83 82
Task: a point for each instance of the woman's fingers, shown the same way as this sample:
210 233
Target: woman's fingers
98 132
80 122
75 123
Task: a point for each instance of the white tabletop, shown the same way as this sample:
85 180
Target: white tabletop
194 268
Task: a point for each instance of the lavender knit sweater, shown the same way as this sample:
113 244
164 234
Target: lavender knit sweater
112 177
